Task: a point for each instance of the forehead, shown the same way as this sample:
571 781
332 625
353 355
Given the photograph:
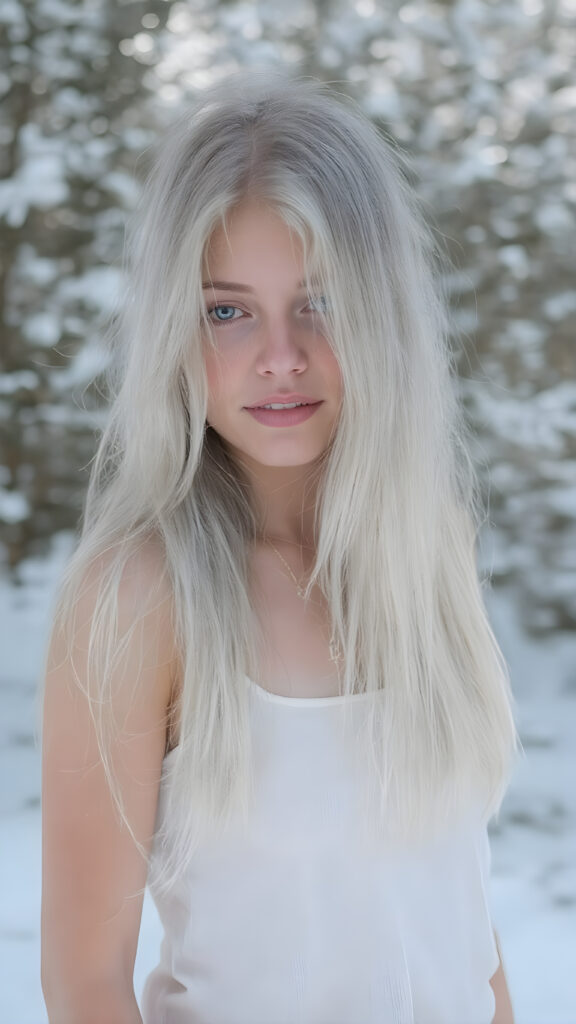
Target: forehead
254 241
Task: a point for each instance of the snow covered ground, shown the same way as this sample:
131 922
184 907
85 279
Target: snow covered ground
533 844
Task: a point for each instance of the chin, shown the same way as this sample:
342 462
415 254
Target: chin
277 458
275 454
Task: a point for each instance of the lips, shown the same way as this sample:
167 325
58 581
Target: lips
285 405
286 399
284 417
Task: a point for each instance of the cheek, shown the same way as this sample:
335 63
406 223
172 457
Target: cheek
212 374
217 372
213 383
224 379
334 370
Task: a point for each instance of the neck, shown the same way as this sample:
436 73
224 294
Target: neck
285 501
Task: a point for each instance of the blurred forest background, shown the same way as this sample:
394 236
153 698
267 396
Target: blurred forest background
481 95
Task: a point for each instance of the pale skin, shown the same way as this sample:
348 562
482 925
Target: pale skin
91 868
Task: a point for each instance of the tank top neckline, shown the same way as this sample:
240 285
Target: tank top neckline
278 698
294 702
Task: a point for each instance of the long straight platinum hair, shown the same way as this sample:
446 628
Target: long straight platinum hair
398 503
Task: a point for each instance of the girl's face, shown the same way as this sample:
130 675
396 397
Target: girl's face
270 345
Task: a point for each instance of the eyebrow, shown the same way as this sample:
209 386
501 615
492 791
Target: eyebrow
235 287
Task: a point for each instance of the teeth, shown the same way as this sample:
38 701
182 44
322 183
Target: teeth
292 405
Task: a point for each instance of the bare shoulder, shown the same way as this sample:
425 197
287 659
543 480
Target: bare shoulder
121 625
134 593
143 583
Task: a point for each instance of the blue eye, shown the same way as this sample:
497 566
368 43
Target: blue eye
321 301
224 306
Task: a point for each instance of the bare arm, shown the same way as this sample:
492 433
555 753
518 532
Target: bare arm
90 865
504 1013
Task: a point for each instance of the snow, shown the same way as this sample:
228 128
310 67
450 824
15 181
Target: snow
533 889
13 506
42 328
20 379
88 362
559 306
97 287
38 182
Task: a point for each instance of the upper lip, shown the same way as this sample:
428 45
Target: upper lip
276 399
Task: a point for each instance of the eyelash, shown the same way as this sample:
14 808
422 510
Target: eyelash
229 305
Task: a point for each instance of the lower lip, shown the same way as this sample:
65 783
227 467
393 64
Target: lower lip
284 417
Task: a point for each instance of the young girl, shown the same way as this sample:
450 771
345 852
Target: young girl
272 691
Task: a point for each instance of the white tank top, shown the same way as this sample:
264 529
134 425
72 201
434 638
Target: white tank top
297 924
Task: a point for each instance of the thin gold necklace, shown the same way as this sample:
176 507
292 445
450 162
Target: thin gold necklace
335 653
300 590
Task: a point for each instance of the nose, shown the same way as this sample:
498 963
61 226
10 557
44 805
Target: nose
281 348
